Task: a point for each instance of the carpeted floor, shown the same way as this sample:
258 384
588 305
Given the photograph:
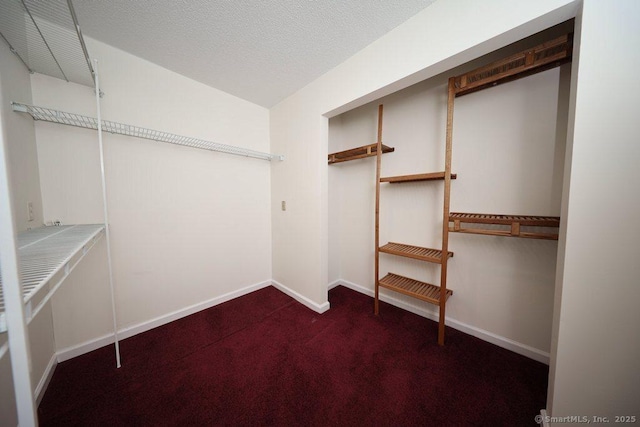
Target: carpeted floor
264 359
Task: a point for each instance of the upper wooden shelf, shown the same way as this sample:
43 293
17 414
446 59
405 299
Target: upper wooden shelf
415 252
513 221
358 153
433 176
535 60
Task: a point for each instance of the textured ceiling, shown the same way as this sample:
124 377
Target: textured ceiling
259 50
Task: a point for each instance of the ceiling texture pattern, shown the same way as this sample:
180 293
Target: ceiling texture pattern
259 50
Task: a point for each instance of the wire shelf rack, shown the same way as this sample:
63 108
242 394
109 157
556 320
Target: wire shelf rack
72 119
43 253
45 35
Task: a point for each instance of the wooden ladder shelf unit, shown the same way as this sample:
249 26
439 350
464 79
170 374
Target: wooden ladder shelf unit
427 292
531 61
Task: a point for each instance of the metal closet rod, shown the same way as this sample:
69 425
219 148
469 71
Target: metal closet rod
72 119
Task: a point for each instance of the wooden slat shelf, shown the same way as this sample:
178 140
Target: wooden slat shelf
432 176
414 288
531 61
358 153
514 222
415 252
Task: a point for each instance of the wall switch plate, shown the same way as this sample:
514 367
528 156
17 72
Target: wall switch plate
30 211
284 205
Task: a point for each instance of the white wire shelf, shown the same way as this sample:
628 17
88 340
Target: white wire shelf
45 35
43 253
72 119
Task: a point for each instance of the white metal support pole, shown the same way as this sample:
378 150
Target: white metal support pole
18 335
106 215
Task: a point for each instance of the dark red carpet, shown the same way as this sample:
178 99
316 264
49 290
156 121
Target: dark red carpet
264 359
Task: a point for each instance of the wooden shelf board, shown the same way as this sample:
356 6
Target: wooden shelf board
415 252
432 176
527 220
413 288
512 221
369 150
537 59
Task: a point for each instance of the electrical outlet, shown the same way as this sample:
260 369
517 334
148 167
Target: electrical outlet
284 205
30 211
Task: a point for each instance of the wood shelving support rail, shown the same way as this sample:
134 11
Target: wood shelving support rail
415 252
514 222
46 253
358 153
414 288
531 61
432 176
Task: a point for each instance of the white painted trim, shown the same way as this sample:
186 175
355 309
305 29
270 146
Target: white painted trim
94 344
333 284
500 341
357 288
319 308
46 379
179 314
85 347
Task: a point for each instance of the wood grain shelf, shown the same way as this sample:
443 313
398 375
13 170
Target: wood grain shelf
358 153
432 176
531 61
514 222
415 252
414 288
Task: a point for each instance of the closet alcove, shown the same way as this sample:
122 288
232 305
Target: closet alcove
508 157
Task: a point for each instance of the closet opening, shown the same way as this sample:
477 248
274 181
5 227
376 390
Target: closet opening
506 173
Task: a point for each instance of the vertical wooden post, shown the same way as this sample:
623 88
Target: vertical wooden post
377 242
445 211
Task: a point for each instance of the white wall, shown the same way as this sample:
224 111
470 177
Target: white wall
595 369
443 36
187 225
20 133
25 187
504 153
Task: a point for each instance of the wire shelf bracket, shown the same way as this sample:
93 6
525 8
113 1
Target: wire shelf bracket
77 120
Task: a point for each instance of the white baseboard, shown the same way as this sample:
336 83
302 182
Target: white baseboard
85 347
77 350
178 314
96 343
333 284
500 341
318 308
46 379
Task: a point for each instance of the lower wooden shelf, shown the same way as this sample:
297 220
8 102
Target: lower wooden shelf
513 221
415 252
413 288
